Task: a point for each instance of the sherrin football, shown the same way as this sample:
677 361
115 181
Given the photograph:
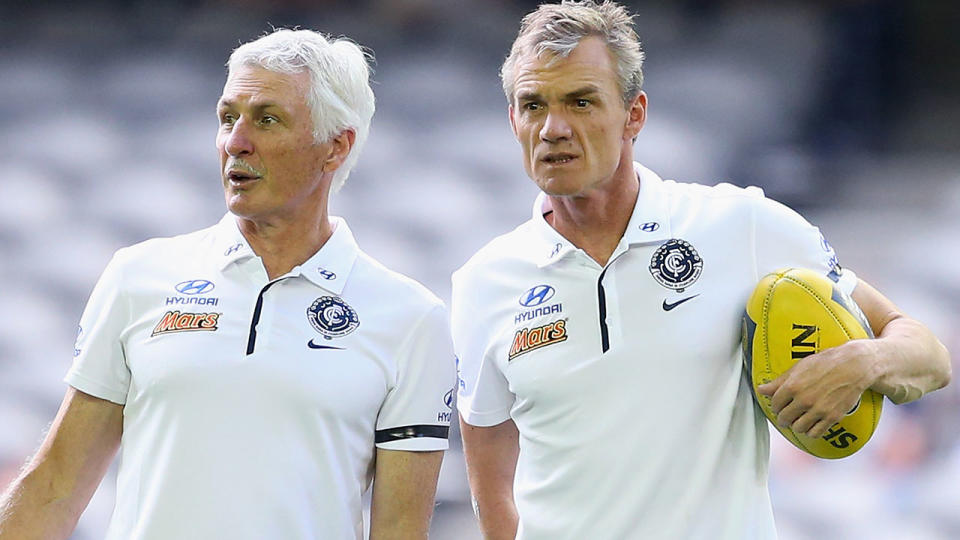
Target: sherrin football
792 314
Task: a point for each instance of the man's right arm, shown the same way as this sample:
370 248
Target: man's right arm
47 498
491 454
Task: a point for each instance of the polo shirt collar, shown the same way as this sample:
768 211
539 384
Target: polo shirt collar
330 266
230 242
648 223
327 268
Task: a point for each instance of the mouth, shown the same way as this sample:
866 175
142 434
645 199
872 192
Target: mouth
558 158
239 177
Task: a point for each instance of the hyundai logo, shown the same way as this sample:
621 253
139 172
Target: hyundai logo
536 296
448 399
195 286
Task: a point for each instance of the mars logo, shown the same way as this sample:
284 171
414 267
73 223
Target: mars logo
531 339
332 317
175 321
676 265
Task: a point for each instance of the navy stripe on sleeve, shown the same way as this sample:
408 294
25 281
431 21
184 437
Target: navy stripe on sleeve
411 432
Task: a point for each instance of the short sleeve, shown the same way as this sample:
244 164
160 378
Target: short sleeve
99 365
483 396
784 239
416 412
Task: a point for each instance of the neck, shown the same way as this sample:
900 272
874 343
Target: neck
283 244
595 221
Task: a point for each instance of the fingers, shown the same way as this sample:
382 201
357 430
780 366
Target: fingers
819 429
796 411
768 389
811 424
804 418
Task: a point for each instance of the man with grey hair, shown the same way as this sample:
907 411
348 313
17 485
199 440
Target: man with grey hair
601 390
257 375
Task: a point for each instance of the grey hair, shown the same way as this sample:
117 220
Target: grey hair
340 96
558 28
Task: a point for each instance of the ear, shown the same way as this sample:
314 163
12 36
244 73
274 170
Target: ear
340 145
513 121
636 116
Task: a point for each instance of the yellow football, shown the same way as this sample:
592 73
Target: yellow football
792 314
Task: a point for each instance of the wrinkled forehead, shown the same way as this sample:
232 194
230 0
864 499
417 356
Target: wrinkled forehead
251 81
589 63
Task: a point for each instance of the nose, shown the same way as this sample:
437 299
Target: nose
237 140
555 127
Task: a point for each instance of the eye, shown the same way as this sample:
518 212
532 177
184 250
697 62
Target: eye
531 106
582 103
269 120
226 118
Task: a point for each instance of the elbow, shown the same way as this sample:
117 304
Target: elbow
946 372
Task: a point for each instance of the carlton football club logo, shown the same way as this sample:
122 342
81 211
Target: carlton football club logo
676 265
332 317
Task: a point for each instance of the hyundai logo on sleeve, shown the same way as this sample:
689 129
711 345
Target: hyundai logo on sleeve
536 296
448 399
194 286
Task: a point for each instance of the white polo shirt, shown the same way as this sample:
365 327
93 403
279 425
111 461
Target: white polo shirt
252 408
625 380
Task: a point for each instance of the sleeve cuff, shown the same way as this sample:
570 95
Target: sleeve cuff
486 419
421 437
95 389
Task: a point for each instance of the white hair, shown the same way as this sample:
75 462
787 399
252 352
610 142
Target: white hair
340 96
558 28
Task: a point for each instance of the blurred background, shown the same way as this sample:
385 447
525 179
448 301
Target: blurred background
845 110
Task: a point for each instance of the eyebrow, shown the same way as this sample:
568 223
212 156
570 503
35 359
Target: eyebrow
528 96
259 106
578 93
583 91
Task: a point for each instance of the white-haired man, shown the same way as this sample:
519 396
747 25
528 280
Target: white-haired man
601 392
258 374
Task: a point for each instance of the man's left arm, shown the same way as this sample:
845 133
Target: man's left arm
404 488
904 362
909 360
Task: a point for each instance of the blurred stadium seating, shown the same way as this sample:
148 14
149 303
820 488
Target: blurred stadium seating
842 110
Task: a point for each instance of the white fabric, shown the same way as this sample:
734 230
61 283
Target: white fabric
275 443
658 437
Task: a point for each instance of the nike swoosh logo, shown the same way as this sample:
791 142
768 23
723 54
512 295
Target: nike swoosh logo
668 306
313 345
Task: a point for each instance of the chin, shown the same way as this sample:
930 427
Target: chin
238 205
559 187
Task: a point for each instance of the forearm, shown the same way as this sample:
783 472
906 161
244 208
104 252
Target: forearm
911 361
498 517
38 506
46 500
404 489
491 454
